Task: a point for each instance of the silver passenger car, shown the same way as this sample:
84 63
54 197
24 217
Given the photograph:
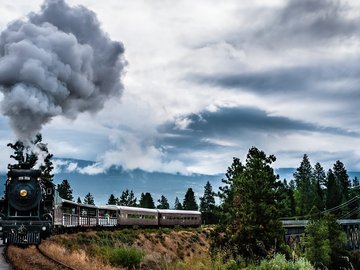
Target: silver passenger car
179 218
135 216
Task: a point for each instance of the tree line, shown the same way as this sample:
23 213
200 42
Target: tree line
127 198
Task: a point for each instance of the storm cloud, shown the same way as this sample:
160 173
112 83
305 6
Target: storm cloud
203 129
56 62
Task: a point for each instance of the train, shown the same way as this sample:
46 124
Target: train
32 210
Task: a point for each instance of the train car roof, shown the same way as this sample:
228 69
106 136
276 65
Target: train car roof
138 209
109 207
183 212
78 204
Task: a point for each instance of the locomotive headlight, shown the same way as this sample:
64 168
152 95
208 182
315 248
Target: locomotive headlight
43 228
23 193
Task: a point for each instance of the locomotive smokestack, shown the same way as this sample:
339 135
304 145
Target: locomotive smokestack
56 62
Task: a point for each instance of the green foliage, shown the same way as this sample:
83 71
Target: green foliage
325 242
333 197
279 262
207 205
126 257
163 203
146 201
112 200
65 190
250 225
127 198
316 242
26 154
177 204
89 199
342 180
189 202
303 177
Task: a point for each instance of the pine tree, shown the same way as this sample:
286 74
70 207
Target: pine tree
304 196
354 192
127 198
189 202
112 200
319 183
65 190
342 180
252 224
163 203
146 201
177 204
207 204
89 199
333 195
316 242
286 201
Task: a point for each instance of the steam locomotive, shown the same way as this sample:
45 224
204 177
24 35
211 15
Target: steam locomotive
32 210
27 208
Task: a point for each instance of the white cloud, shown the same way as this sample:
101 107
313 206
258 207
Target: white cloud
165 41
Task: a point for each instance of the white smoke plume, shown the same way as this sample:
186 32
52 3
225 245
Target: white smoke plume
56 62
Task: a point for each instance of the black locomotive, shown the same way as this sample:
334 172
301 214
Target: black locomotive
26 211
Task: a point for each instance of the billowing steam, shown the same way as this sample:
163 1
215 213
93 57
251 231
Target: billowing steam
57 62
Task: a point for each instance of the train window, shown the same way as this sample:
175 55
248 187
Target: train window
22 178
49 191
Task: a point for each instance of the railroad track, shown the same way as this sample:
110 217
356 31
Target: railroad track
61 265
30 257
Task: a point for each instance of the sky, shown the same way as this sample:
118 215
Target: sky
203 81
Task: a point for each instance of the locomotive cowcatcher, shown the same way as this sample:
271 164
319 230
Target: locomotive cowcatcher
26 211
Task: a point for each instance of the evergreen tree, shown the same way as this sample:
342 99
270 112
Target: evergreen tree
338 240
316 242
304 196
177 204
252 224
286 200
89 199
65 190
78 200
112 200
343 182
127 198
163 203
333 196
27 157
226 192
189 202
355 205
325 242
319 183
146 201
207 205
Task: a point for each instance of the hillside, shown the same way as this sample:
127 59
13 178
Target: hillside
147 249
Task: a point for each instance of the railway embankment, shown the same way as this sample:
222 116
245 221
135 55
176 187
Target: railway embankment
129 249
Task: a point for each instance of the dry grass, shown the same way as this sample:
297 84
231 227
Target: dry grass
77 259
164 249
168 248
28 259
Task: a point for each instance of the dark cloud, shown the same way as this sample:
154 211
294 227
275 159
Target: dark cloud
57 62
314 78
235 124
303 23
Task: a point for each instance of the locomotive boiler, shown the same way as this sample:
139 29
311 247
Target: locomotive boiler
26 211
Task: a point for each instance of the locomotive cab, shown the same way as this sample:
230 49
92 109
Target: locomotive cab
26 213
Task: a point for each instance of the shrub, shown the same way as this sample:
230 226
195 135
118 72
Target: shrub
127 257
